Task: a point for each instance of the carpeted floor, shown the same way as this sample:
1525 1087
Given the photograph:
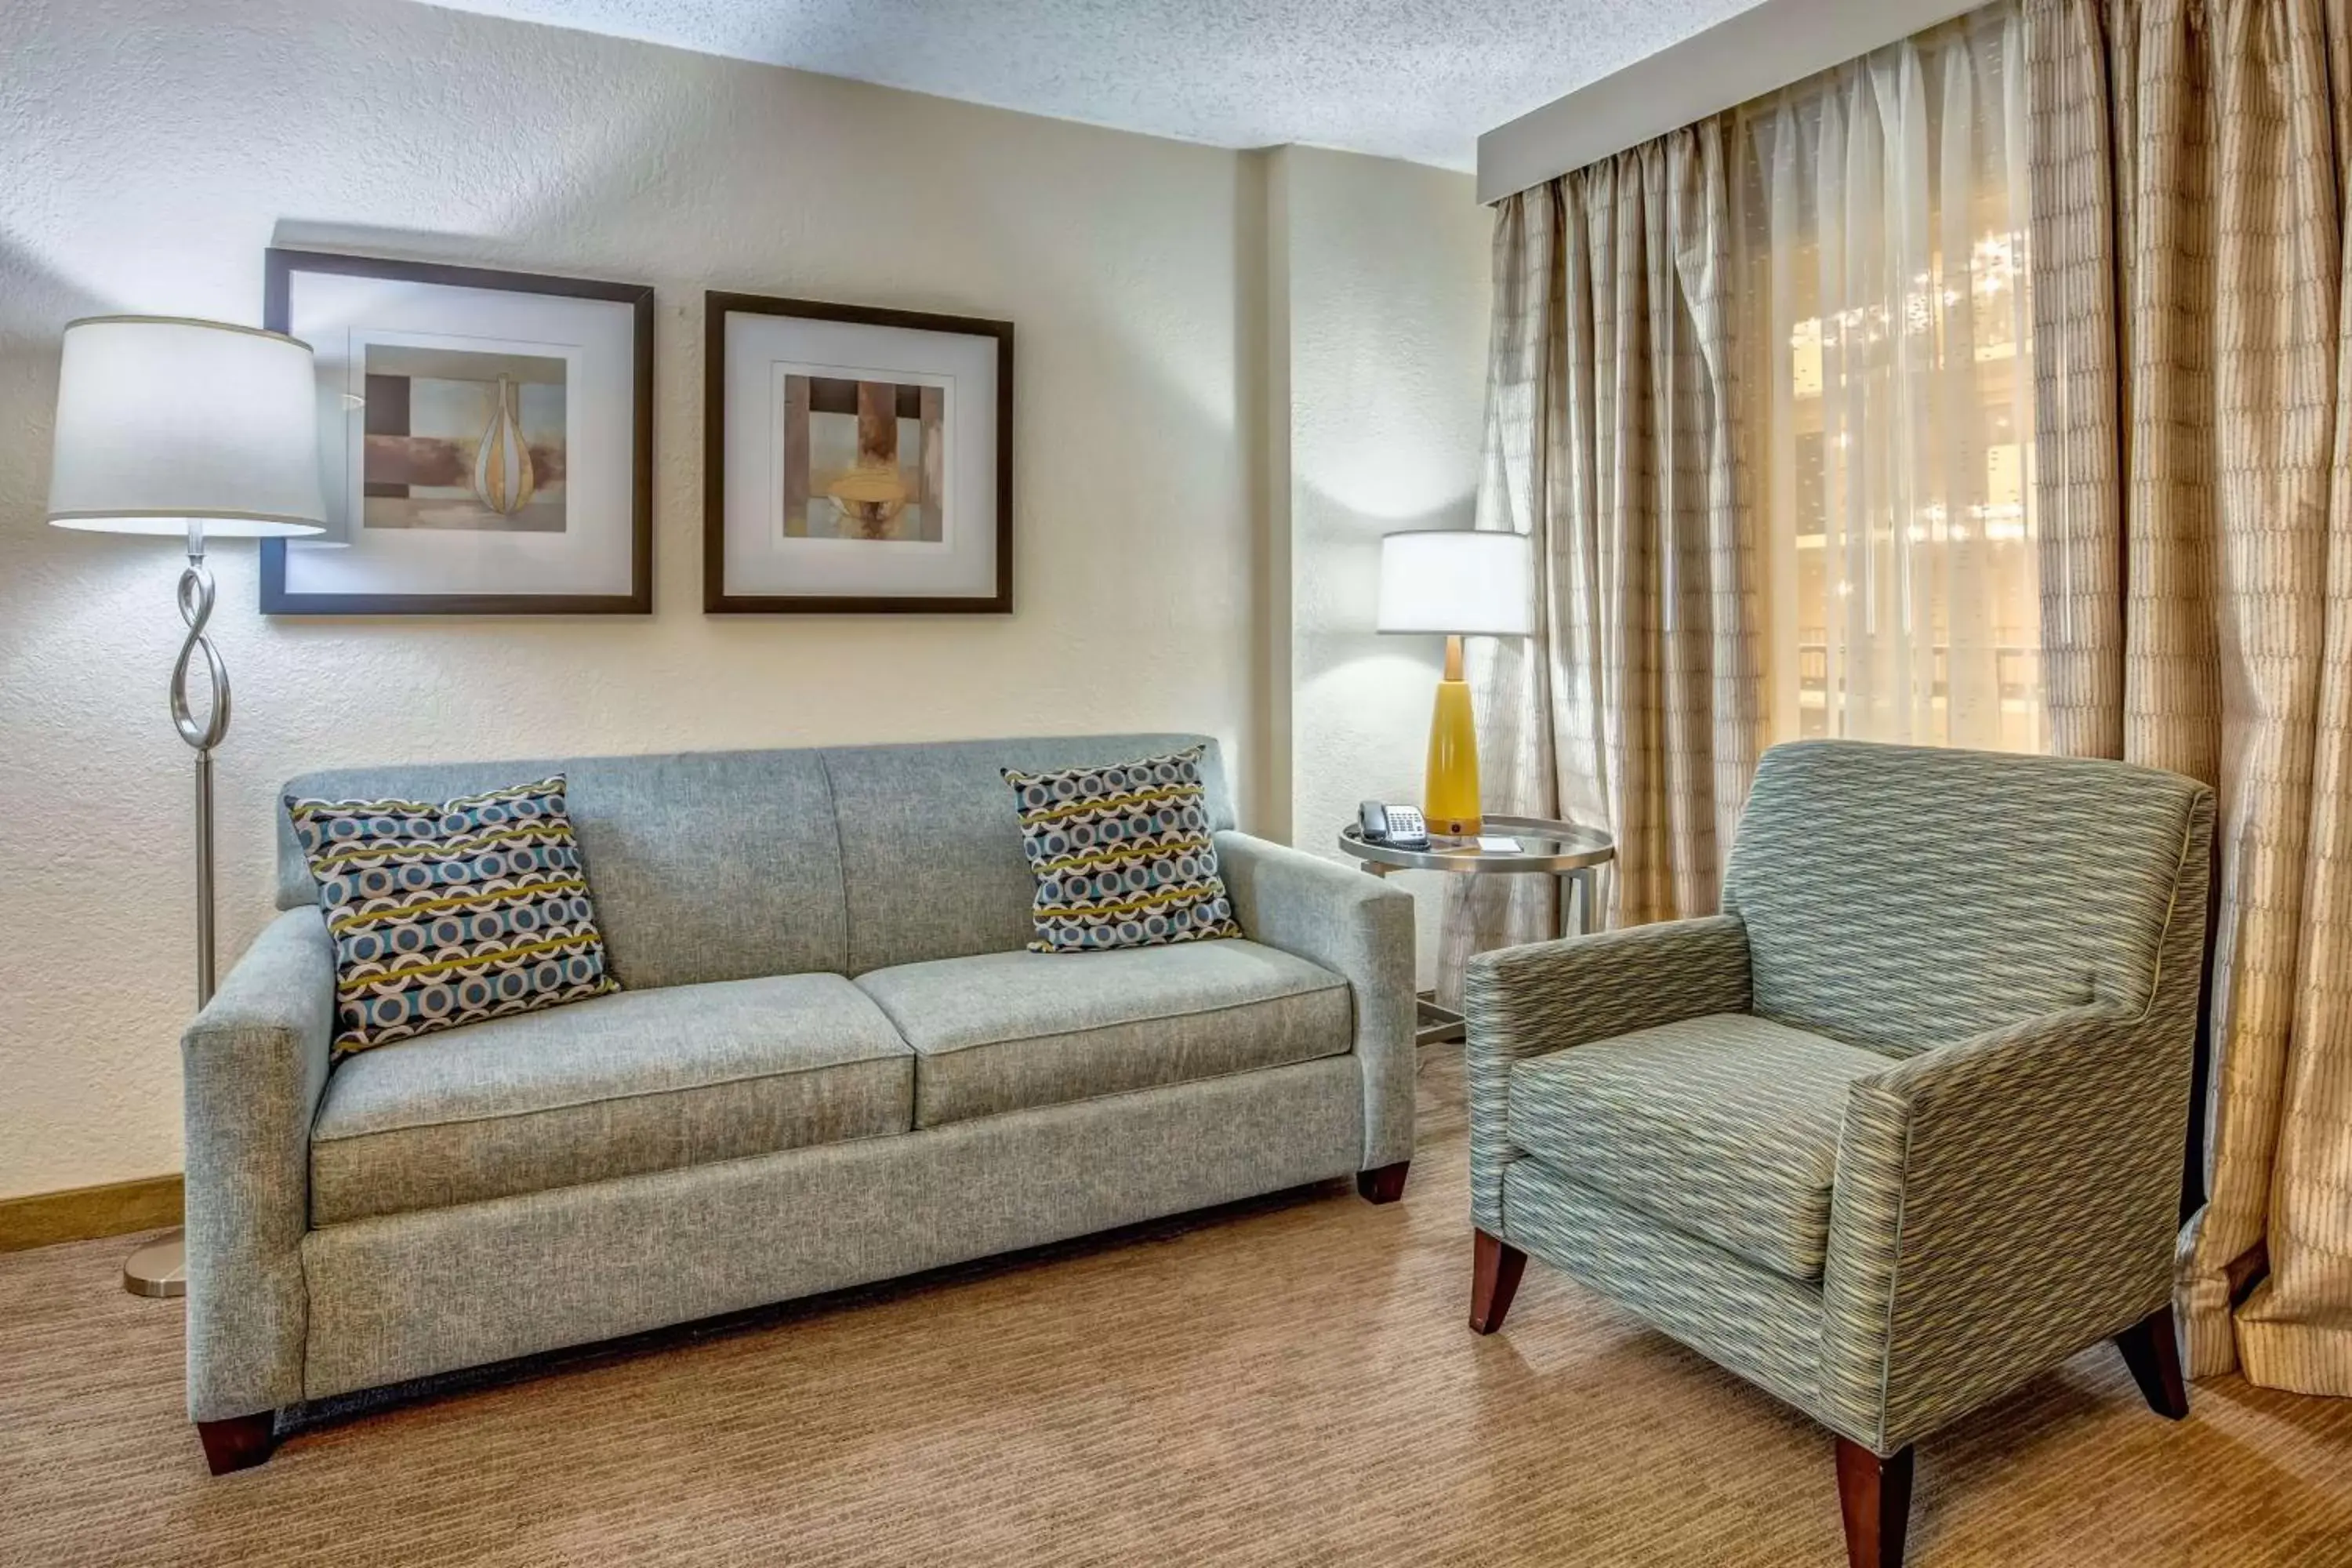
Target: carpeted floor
1288 1382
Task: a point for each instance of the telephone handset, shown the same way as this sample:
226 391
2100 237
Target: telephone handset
1400 826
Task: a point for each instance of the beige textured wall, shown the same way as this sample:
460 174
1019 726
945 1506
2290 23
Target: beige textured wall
1382 344
153 148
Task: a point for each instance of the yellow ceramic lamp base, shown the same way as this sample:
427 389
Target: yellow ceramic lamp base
1451 794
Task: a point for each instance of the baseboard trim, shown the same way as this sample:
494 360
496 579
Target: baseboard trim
79 1213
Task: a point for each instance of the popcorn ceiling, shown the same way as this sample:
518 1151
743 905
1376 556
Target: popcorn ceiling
1417 80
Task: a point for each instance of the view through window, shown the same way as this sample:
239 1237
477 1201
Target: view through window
1880 243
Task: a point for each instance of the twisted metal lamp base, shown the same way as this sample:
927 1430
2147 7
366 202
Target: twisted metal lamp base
161 1267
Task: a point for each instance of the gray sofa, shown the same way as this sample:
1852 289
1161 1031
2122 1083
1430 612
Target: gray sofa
832 1063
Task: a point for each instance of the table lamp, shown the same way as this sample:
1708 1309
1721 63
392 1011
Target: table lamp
197 430
1457 582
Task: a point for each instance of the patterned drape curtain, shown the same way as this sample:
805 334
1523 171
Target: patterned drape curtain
2194 412
1610 441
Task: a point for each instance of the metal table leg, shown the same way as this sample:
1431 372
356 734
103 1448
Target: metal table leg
1582 886
1572 854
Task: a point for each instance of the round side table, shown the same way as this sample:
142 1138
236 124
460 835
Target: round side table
1562 849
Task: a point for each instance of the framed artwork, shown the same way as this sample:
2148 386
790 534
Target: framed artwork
485 440
857 461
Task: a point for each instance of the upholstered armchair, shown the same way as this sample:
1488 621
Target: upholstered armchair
1900 1129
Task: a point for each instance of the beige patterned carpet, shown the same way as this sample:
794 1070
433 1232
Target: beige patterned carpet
1283 1383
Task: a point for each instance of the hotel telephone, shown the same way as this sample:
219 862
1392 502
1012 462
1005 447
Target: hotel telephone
1400 826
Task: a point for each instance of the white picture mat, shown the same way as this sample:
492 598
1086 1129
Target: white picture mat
759 559
339 315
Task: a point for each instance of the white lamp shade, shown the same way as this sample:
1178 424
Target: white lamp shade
1457 582
163 423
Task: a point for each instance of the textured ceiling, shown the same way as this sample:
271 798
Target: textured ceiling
1402 79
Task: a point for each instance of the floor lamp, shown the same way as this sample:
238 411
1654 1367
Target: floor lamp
174 428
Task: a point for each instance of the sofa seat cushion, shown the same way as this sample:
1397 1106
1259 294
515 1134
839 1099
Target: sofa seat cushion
1007 1031
1724 1126
642 1080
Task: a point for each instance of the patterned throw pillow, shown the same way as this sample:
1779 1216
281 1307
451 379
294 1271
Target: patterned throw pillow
452 913
1122 855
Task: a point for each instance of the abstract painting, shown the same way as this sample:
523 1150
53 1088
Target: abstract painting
857 459
864 459
486 440
462 439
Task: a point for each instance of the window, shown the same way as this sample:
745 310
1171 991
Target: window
1880 249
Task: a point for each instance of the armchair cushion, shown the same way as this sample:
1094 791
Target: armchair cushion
1522 1002
1724 1127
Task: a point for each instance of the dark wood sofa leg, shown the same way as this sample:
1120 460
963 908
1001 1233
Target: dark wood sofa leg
239 1443
1875 1495
1383 1185
1494 1269
2153 1352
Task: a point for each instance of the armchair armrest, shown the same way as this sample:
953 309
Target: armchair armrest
1999 1204
1358 927
1521 1002
252 1065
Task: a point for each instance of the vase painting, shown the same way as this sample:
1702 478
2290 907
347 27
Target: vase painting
458 439
503 476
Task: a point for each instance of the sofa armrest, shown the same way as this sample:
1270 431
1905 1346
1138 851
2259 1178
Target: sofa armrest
1519 1002
252 1065
1999 1204
1358 927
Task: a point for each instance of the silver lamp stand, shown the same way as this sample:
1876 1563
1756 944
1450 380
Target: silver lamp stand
136 451
161 1267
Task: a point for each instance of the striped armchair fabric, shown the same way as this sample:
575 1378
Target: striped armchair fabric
1902 1126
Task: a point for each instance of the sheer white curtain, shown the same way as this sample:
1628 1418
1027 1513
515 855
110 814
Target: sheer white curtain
1881 230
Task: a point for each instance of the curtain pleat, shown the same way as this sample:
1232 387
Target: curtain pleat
2078 445
2191 266
1611 442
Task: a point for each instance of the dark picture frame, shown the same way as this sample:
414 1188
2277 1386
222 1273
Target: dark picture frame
716 597
280 266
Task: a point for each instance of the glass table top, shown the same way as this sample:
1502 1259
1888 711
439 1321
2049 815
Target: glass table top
1541 845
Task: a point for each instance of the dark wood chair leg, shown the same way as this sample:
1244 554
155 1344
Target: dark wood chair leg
1494 1269
1384 1186
1875 1495
2152 1351
239 1443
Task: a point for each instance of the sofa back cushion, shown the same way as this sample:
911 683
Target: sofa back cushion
707 866
1902 897
732 865
930 839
